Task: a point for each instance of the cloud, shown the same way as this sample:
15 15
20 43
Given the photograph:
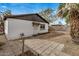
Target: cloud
4 6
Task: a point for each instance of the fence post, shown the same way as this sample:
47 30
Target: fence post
22 34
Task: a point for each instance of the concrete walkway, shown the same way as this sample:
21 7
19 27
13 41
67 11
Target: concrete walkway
45 47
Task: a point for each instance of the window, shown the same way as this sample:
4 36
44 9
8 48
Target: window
42 27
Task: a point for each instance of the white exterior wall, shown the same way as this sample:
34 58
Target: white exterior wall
45 30
6 27
14 27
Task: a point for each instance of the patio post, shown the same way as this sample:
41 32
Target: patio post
22 34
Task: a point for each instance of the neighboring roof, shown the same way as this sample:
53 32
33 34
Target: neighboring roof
30 17
57 25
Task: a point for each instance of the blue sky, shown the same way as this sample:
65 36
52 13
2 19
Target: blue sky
26 8
23 8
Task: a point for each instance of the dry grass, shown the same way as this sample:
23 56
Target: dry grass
1 44
10 48
27 53
2 41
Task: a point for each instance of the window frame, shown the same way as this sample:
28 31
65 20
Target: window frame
42 27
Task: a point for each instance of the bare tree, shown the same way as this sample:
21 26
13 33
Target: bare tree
48 14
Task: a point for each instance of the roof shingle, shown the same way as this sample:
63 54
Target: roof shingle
30 17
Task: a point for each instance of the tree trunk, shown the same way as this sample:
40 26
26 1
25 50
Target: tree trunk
74 24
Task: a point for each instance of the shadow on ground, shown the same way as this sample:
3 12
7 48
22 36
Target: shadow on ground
46 35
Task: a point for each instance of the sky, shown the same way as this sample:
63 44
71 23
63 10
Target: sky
26 8
23 8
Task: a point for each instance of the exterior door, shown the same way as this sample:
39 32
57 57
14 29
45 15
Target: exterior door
35 29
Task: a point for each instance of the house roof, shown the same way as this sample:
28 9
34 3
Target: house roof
30 17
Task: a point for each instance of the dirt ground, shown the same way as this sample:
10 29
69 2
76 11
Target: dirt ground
59 36
10 48
47 35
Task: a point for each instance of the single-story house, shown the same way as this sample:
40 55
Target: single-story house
29 24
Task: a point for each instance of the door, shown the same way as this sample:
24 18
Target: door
35 29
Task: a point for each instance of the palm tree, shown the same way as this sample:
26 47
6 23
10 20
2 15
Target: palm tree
70 11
